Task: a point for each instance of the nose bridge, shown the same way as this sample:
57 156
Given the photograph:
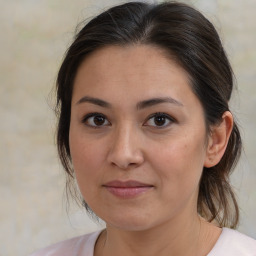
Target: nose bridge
125 147
125 135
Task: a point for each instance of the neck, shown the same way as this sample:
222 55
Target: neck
178 237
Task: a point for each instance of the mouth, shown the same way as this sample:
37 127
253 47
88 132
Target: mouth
127 189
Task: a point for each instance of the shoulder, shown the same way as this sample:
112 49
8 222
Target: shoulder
81 245
234 243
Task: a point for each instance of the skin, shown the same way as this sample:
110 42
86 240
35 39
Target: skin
127 143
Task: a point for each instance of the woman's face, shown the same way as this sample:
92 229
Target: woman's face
137 137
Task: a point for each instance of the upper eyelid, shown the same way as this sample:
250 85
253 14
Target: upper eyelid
161 114
93 114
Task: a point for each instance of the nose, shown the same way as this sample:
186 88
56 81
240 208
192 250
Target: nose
125 151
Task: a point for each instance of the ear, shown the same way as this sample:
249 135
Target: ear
218 140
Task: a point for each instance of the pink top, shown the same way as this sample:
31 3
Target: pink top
230 243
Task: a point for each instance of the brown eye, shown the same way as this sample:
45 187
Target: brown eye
159 120
95 120
98 120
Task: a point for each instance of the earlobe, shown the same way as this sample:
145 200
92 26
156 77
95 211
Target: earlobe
218 140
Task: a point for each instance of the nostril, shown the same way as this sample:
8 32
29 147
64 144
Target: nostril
126 161
124 165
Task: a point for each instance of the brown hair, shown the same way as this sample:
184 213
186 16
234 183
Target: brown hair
193 41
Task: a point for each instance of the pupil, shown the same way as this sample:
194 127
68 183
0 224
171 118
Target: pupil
99 120
159 120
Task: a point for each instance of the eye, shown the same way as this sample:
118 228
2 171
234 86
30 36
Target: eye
159 120
95 120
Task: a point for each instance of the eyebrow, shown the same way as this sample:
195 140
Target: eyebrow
94 101
155 101
140 105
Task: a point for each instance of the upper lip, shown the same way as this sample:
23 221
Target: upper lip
126 184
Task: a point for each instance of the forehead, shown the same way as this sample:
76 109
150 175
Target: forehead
130 59
131 73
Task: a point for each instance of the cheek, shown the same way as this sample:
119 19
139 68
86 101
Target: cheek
86 157
88 168
179 162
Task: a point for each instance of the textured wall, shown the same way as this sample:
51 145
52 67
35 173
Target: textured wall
34 37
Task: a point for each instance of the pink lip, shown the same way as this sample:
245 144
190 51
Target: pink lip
127 189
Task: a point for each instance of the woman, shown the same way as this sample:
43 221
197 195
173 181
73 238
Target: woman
146 131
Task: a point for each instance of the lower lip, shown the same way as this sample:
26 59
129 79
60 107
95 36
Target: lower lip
130 192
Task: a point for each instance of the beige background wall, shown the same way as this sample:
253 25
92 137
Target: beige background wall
34 36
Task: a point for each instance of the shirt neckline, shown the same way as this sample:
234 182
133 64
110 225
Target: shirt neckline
94 237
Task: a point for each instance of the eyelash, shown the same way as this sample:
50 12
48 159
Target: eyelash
165 116
157 114
86 118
